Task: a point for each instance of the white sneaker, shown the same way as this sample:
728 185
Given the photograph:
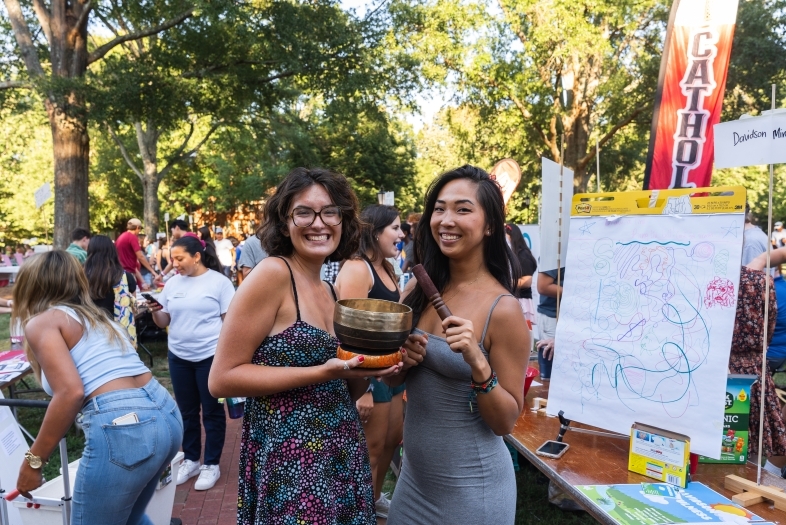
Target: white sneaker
188 469
383 505
208 475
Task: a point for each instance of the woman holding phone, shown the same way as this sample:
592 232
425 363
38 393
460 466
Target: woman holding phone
303 457
370 275
465 375
82 359
193 305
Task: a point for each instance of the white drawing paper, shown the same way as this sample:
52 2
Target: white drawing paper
646 322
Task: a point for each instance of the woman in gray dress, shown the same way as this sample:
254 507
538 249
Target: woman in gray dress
465 375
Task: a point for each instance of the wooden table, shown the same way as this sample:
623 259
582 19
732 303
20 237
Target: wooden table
596 460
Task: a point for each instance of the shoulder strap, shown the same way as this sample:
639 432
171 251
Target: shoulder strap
332 290
294 288
491 311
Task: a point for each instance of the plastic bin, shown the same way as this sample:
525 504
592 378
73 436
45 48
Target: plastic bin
48 495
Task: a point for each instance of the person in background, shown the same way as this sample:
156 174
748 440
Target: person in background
746 356
464 374
754 240
225 251
28 251
237 251
409 261
80 238
193 304
163 260
778 235
528 266
252 254
549 291
300 398
85 362
147 276
406 245
130 253
111 287
204 235
369 274
177 229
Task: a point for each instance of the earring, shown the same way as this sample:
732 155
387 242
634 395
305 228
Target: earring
488 232
377 237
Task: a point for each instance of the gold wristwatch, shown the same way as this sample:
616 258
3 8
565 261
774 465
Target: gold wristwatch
34 461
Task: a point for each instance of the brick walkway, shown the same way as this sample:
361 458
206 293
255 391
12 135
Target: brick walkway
217 506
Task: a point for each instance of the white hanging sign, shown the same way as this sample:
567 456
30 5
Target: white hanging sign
751 141
43 194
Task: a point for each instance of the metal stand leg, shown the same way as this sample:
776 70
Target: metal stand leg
66 483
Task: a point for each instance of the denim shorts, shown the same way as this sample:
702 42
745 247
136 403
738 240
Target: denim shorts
121 464
383 393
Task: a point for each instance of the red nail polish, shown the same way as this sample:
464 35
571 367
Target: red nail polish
361 358
403 351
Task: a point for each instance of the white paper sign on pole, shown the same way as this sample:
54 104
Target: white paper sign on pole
751 141
166 217
549 214
43 194
389 198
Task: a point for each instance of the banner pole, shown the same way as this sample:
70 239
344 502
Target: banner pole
559 238
597 163
763 380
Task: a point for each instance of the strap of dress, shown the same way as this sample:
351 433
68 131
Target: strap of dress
488 319
294 288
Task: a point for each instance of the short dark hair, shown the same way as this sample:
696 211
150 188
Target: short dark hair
276 208
179 223
80 233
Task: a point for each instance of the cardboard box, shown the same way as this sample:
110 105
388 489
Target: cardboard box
659 454
736 421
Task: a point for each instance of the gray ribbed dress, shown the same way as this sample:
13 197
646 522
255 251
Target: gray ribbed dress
455 470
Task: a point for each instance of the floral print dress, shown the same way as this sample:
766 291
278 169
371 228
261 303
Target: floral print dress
303 454
746 349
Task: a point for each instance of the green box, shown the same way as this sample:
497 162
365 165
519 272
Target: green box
734 442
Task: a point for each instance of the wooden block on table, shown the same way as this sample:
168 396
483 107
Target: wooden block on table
747 498
774 494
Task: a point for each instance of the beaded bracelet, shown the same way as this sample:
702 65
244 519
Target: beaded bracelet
486 386
483 388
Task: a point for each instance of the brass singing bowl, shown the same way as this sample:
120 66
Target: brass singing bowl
372 326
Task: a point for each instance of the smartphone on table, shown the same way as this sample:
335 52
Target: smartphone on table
552 449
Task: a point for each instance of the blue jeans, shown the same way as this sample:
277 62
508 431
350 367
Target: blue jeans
121 464
189 381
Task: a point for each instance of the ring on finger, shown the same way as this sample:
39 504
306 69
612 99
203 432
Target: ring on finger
346 365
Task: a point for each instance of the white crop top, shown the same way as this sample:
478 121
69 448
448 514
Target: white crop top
98 360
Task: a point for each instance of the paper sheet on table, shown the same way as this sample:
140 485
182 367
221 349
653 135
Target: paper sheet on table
9 441
645 324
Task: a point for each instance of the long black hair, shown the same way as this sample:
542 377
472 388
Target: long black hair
374 220
194 246
519 246
497 256
102 267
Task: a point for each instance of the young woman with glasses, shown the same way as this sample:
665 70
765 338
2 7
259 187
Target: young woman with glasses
303 455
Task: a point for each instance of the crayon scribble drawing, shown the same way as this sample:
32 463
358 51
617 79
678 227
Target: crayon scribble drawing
645 323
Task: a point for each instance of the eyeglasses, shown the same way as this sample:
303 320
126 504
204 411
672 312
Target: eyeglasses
303 217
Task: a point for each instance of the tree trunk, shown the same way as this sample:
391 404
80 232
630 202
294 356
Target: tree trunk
147 140
152 206
71 148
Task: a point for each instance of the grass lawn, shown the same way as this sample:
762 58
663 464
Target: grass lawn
532 505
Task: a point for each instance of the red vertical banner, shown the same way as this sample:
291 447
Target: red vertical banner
689 99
